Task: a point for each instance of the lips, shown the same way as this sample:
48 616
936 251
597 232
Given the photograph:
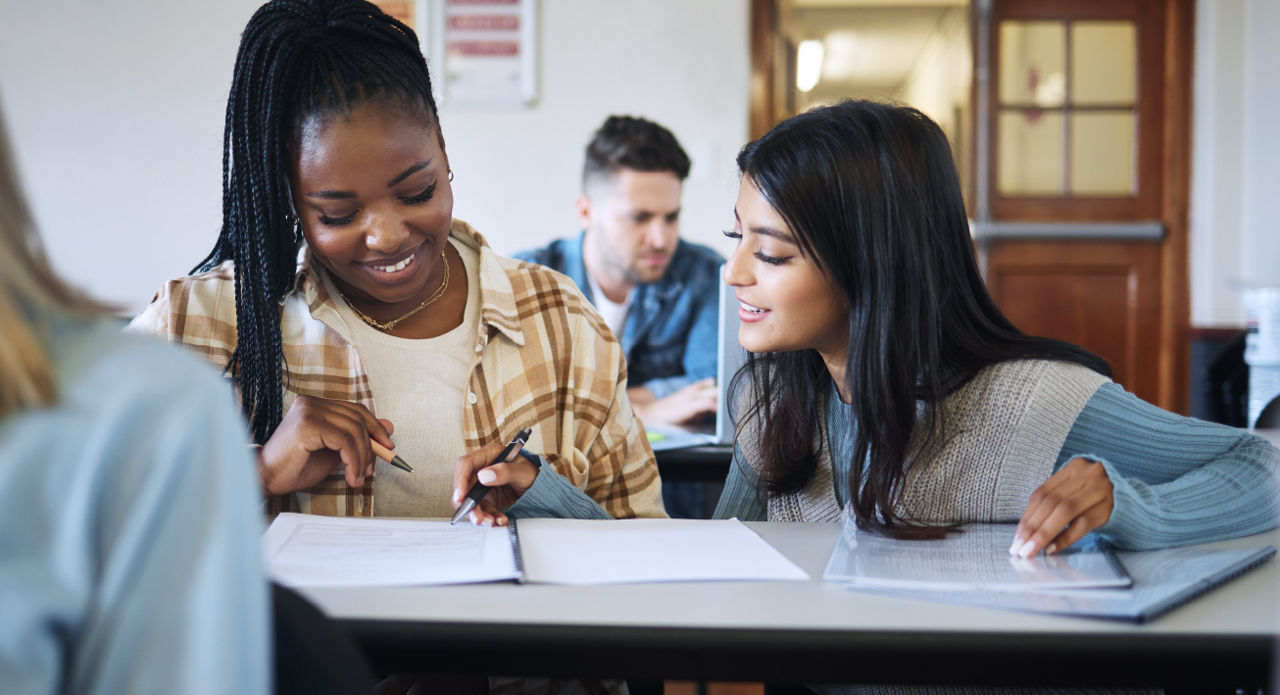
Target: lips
749 313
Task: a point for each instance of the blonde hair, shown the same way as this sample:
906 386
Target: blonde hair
30 293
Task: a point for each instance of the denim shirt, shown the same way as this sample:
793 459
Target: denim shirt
670 335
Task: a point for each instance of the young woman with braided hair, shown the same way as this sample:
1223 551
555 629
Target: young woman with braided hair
396 313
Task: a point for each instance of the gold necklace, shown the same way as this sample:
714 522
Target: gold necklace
384 327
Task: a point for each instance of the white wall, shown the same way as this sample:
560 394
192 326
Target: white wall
116 109
1235 232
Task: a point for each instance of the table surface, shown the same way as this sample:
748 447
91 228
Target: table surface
804 631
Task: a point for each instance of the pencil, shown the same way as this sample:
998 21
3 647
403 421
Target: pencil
390 457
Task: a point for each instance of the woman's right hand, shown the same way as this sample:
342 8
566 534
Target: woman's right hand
316 436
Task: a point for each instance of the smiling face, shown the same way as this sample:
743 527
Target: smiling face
632 220
786 302
372 191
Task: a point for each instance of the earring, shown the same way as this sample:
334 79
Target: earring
297 230
451 174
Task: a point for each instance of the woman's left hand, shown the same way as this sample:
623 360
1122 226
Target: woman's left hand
507 481
1072 502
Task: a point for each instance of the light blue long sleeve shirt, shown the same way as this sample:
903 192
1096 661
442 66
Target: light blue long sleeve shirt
129 559
1177 480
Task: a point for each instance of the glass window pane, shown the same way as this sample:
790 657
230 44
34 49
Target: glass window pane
1102 153
1030 152
1033 58
1104 63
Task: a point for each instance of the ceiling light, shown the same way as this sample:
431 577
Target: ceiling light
808 64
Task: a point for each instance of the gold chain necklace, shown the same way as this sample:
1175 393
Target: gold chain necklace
384 327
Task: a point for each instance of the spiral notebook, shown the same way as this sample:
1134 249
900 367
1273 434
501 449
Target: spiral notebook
309 550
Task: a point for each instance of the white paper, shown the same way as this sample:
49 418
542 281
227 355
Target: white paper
310 550
573 551
977 559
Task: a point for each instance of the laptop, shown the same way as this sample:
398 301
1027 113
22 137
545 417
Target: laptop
730 356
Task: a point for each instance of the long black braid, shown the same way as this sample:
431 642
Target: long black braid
298 59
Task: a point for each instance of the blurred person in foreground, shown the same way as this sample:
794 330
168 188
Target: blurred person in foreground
131 512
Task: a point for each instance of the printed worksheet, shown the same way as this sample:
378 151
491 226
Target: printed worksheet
309 550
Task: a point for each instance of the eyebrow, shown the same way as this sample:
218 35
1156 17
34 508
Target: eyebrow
768 231
342 195
409 172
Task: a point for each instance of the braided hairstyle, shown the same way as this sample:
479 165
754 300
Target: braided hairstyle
298 60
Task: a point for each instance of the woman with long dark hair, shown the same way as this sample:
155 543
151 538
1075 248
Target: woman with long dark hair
886 385
397 312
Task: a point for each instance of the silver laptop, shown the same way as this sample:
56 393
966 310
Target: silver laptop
730 356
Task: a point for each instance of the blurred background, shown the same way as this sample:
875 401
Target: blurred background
1117 156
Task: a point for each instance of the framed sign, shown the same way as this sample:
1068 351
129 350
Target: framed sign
480 52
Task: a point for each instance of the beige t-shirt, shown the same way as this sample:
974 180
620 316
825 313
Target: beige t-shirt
419 385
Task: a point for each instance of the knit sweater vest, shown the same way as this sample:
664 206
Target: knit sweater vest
1000 437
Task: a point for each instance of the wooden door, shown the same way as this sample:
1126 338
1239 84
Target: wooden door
1107 270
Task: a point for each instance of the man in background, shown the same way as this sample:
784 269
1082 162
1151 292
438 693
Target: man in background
658 294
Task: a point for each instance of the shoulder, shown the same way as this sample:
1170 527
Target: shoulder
552 255
695 265
696 257
539 288
1037 388
1045 373
698 253
207 295
100 361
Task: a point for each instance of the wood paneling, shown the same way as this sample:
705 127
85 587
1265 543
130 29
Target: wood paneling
1103 296
761 112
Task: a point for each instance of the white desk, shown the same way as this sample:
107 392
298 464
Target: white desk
806 631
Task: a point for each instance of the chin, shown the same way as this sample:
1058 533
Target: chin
649 274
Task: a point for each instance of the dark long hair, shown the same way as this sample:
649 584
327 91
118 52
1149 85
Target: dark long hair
870 191
298 59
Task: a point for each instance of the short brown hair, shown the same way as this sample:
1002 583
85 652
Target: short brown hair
631 142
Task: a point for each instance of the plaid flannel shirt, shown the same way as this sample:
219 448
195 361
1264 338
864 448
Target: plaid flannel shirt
543 359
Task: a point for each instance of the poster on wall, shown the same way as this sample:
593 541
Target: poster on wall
480 52
487 50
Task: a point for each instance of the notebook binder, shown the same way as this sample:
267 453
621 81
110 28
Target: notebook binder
515 549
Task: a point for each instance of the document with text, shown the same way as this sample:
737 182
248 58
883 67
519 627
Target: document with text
309 550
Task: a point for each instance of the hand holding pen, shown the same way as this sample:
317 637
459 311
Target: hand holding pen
496 472
318 436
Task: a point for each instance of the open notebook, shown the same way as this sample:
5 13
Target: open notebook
309 550
730 355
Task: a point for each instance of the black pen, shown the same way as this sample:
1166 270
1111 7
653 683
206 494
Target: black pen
478 491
